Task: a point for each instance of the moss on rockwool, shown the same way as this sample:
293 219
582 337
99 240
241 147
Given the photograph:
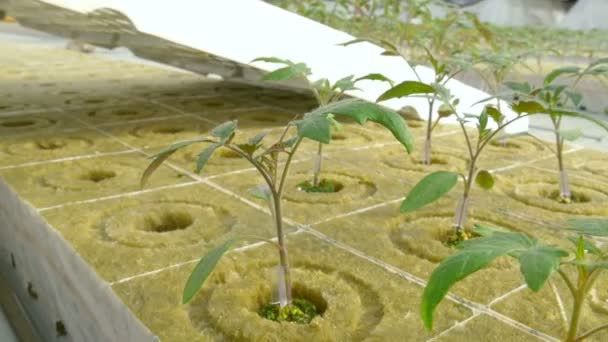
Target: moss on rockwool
357 299
131 235
52 184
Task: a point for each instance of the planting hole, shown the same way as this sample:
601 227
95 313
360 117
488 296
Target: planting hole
264 118
97 176
17 124
325 186
50 144
168 222
577 197
505 144
60 329
168 130
338 136
306 305
31 291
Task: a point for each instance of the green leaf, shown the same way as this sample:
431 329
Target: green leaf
288 72
575 97
261 191
530 107
203 269
558 72
375 77
484 179
163 155
598 62
314 126
272 60
495 114
204 156
570 134
360 111
356 41
345 84
483 121
257 139
538 262
455 268
592 227
225 130
405 89
445 110
523 87
429 189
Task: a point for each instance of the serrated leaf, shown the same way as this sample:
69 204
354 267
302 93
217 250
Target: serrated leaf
204 156
345 84
360 111
484 179
225 130
375 77
405 89
570 134
538 262
431 188
203 269
288 72
558 72
314 126
592 227
530 107
455 268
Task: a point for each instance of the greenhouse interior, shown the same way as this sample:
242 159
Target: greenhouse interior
303 170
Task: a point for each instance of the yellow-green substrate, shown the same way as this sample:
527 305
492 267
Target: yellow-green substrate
131 235
358 300
52 184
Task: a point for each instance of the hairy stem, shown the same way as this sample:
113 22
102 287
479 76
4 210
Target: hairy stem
317 166
576 315
426 156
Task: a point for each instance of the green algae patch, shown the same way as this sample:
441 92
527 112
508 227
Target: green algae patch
418 242
301 311
540 189
358 300
52 184
159 133
325 185
131 235
541 310
22 149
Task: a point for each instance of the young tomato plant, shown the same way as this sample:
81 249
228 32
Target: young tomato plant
538 261
316 126
437 184
325 93
444 71
559 101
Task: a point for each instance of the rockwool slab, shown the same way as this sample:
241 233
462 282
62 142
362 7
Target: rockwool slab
223 36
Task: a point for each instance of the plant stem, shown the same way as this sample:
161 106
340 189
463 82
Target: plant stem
564 184
460 215
317 166
426 156
283 257
576 315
